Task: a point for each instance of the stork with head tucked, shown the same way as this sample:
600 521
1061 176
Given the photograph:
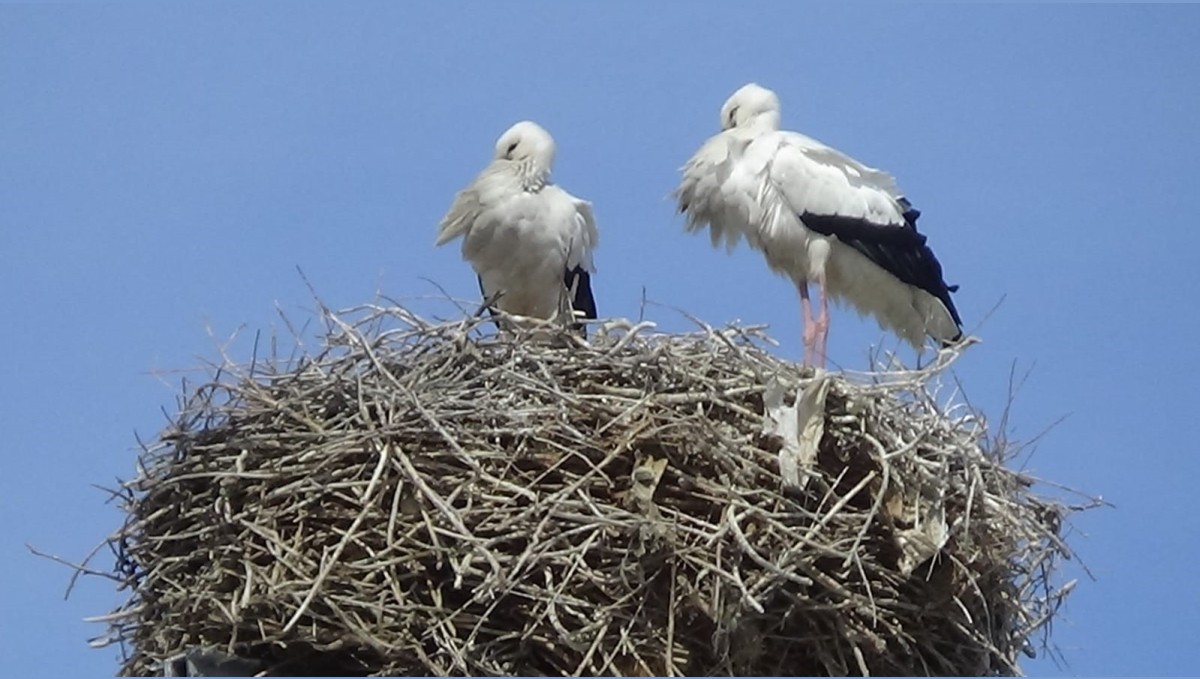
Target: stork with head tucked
529 241
819 216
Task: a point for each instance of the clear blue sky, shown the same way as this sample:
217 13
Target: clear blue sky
164 168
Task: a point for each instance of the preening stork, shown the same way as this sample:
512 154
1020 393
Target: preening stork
529 241
819 216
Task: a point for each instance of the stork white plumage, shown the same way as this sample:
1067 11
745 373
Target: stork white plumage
529 241
819 216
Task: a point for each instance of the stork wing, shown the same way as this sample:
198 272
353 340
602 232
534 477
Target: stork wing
816 179
496 181
711 195
459 217
578 275
834 195
586 236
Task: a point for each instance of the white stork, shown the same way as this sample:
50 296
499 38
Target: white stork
529 241
817 215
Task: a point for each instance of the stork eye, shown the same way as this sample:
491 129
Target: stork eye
511 147
733 115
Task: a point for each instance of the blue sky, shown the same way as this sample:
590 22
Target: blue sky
165 169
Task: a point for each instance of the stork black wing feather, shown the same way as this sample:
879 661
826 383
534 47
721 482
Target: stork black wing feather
583 302
900 250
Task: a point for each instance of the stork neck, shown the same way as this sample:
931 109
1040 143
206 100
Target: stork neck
764 122
533 177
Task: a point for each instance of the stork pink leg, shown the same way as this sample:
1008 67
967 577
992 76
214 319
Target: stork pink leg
822 322
810 326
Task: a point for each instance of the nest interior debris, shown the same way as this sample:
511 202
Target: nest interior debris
418 498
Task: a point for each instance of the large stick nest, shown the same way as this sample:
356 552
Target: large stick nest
414 498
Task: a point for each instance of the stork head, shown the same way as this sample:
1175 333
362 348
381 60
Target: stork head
527 144
752 106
